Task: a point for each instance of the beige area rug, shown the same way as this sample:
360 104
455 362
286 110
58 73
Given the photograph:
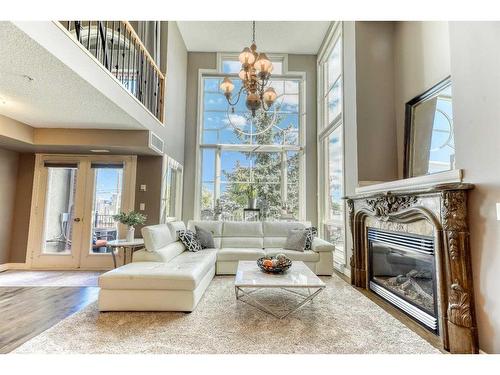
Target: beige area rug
48 278
339 320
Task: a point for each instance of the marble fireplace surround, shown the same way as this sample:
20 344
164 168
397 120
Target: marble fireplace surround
434 205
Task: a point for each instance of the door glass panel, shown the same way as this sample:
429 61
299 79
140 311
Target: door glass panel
107 198
59 211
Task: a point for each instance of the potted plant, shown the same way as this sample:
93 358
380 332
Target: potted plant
252 196
131 220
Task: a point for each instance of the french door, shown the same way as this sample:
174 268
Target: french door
74 200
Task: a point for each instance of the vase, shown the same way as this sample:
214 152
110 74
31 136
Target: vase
130 234
252 203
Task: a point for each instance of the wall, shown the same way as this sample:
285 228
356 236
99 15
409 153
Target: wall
149 173
175 94
206 60
475 61
376 128
421 59
20 225
8 174
196 61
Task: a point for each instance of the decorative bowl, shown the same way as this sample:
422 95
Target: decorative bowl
280 268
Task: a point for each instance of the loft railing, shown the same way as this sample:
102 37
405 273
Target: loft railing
116 45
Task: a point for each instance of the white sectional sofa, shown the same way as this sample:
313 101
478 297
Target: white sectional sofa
165 277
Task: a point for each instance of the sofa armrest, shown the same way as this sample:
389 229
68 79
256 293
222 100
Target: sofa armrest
320 245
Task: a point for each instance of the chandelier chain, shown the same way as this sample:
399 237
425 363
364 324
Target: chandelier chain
253 31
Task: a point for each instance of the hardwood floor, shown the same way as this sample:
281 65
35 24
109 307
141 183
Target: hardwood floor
27 311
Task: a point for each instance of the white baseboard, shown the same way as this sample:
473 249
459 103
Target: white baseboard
13 266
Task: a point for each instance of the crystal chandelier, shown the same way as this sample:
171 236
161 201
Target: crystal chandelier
255 72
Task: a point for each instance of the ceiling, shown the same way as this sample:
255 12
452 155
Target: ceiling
54 95
299 37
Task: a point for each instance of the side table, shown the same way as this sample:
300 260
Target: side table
134 245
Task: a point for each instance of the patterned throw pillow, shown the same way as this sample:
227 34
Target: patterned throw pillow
311 233
190 240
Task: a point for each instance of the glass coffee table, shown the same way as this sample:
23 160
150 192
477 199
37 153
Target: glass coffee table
298 279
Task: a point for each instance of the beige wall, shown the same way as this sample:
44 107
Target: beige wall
20 227
8 174
149 173
421 59
196 61
175 94
206 60
475 62
376 128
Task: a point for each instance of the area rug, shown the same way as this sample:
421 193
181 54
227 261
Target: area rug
23 278
339 320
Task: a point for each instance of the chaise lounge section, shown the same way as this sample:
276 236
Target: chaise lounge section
166 277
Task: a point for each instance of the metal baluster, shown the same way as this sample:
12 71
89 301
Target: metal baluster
123 54
97 44
112 46
77 31
118 49
88 37
135 74
129 86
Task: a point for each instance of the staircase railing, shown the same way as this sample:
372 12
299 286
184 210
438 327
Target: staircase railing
116 45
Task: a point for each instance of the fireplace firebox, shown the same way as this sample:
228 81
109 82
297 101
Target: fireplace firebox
402 271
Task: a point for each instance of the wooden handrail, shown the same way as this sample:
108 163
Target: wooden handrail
141 45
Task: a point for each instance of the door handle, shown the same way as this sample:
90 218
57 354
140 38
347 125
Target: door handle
77 219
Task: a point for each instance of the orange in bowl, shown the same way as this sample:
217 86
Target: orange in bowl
267 263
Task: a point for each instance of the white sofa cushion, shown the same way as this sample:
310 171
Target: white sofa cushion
242 242
304 256
184 272
320 245
235 254
242 229
274 242
281 228
174 227
156 237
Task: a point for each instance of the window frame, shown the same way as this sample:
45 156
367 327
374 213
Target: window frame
204 73
325 129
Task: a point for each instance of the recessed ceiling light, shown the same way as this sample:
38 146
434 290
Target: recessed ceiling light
99 150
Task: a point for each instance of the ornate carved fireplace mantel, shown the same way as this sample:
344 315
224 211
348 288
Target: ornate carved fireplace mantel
437 210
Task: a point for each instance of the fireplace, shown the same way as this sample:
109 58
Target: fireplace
410 245
402 271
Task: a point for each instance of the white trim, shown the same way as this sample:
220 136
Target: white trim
446 177
13 266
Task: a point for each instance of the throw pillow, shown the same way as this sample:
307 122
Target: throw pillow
311 233
296 240
190 240
205 237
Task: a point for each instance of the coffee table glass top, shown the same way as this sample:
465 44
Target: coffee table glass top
297 276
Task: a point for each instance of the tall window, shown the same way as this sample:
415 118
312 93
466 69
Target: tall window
171 202
330 139
241 156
